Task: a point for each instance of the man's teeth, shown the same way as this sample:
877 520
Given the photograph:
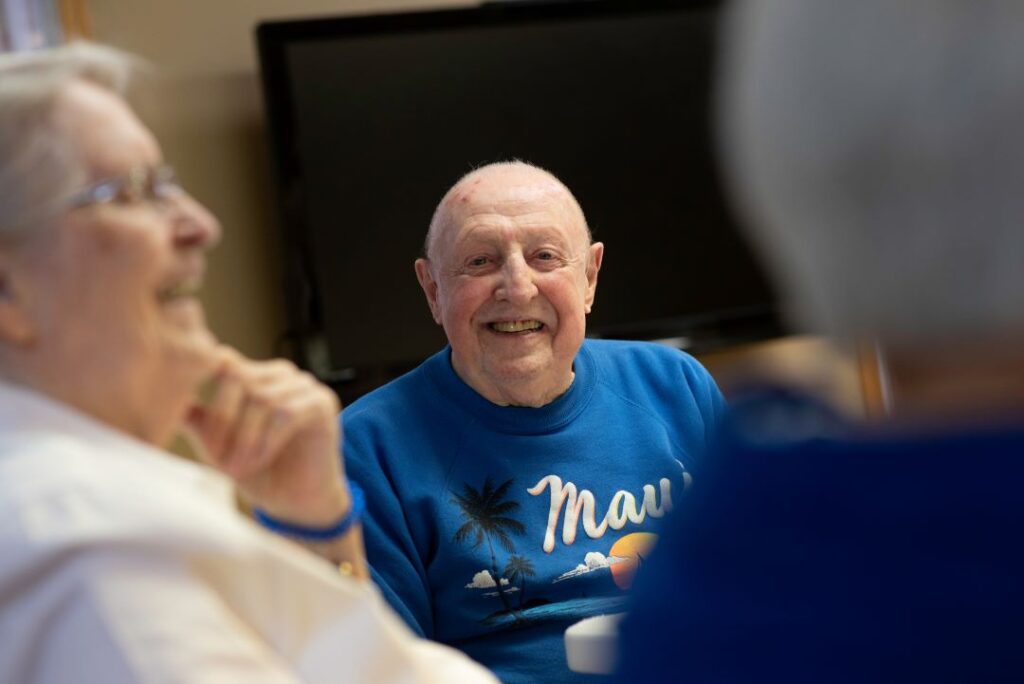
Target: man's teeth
516 326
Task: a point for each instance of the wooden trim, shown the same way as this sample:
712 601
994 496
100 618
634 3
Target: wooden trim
872 380
74 19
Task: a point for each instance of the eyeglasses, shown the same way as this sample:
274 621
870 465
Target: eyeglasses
155 185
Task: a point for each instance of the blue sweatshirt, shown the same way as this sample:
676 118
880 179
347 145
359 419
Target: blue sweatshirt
857 558
492 528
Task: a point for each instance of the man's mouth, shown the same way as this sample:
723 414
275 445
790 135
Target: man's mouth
515 326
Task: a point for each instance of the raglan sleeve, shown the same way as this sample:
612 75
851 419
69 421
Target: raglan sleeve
396 565
708 397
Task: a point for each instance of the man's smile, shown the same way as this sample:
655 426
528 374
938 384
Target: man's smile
516 327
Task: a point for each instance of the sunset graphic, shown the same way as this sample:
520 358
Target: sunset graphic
633 549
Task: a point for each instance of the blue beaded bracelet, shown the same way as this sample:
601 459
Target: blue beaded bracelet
317 534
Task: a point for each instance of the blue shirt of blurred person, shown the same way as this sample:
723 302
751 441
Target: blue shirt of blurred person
847 557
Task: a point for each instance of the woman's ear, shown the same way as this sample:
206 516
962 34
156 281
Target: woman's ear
16 325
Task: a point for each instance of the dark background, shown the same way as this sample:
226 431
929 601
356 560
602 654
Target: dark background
373 119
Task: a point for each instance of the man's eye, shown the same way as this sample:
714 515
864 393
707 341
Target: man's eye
547 257
478 261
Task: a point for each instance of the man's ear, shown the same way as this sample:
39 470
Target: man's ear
429 286
16 325
594 256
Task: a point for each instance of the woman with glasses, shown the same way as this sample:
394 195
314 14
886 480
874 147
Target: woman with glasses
119 562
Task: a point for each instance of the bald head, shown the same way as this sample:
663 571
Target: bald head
497 185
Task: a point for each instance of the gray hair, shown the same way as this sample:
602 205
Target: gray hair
441 214
877 150
36 166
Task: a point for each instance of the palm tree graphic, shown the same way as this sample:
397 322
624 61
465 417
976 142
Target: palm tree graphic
486 517
519 568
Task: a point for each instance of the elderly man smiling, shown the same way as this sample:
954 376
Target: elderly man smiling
513 478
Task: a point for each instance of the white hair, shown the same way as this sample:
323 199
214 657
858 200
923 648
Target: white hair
877 150
36 166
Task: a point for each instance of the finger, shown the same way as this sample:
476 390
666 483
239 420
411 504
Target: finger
241 458
192 432
261 373
297 395
297 412
221 416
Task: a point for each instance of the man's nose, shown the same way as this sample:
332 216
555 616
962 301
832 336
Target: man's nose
517 284
193 224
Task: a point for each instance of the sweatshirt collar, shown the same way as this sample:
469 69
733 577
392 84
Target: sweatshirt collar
516 419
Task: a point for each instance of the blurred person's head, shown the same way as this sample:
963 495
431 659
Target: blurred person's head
101 252
510 274
877 148
877 153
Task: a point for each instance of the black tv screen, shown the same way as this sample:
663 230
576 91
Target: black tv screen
373 118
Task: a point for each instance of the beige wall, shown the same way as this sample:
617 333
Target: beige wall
205 106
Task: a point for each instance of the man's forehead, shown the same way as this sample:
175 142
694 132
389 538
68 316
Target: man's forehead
523 226
515 203
522 220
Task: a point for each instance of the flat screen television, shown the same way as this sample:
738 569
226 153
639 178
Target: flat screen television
373 118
